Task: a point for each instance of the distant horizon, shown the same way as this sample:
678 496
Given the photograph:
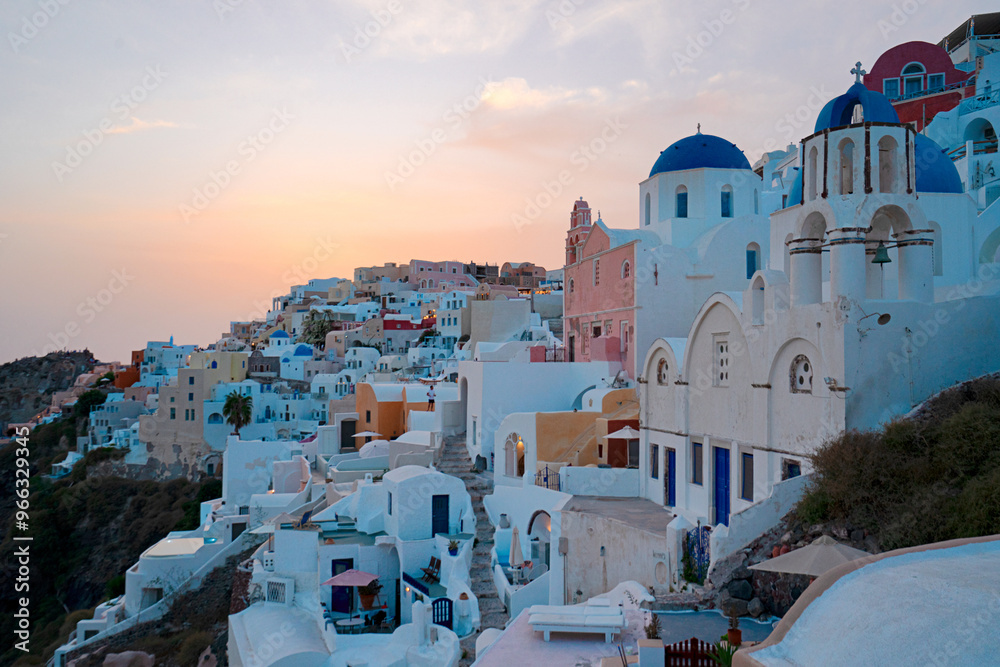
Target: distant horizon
168 168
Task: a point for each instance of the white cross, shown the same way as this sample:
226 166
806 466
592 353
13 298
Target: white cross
858 72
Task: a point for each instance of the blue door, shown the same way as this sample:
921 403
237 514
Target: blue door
441 611
439 515
721 486
670 479
342 597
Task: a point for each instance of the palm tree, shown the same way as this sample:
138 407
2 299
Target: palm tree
238 410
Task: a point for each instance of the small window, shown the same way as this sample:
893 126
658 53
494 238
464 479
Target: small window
790 469
890 88
190 395
935 82
633 453
626 269
389 508
190 379
647 208
722 359
801 376
572 285
682 202
697 476
727 201
746 485
600 451
654 461
662 372
368 416
597 272
173 413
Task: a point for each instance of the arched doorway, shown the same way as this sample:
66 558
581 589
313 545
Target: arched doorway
540 536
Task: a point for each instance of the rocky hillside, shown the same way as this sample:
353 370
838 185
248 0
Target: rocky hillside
27 385
87 529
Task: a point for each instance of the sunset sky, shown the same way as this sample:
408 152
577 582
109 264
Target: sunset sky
170 166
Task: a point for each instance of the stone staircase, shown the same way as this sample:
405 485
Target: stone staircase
455 461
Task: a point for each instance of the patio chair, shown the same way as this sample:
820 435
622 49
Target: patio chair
386 625
432 572
304 520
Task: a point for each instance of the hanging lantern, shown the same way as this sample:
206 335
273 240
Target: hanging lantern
881 254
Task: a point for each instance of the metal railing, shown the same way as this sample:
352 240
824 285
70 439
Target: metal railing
979 102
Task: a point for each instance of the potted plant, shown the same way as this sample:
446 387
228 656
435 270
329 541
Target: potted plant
722 653
367 594
735 635
453 548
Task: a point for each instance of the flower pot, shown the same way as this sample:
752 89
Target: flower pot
735 637
452 552
367 601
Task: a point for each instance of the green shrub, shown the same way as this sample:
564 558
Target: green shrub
915 481
115 586
192 646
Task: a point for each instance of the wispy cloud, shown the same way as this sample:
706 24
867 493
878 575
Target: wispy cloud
137 125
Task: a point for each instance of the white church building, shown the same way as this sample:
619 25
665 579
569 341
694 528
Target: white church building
876 295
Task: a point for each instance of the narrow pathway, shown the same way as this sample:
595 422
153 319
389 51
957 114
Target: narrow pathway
455 461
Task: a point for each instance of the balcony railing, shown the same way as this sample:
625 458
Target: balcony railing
979 102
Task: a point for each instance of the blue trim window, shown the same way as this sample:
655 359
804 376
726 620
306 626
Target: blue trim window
890 88
682 204
727 203
654 462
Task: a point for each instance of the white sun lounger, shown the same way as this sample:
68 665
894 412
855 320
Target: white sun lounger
601 622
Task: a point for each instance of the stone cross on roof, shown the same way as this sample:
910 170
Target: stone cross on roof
858 72
699 128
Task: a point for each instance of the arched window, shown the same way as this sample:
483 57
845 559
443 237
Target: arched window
662 372
682 202
597 272
756 202
572 285
913 78
801 375
648 214
626 269
887 148
846 151
757 301
726 201
753 259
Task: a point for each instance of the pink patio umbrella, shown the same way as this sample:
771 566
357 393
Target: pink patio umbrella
352 579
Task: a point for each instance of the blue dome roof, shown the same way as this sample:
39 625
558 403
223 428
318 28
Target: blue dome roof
935 170
279 334
700 151
795 194
838 111
303 350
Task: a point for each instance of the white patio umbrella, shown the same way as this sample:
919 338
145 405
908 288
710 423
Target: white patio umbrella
814 560
374 448
368 434
516 558
627 433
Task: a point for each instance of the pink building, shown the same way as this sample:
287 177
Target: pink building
599 290
445 276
